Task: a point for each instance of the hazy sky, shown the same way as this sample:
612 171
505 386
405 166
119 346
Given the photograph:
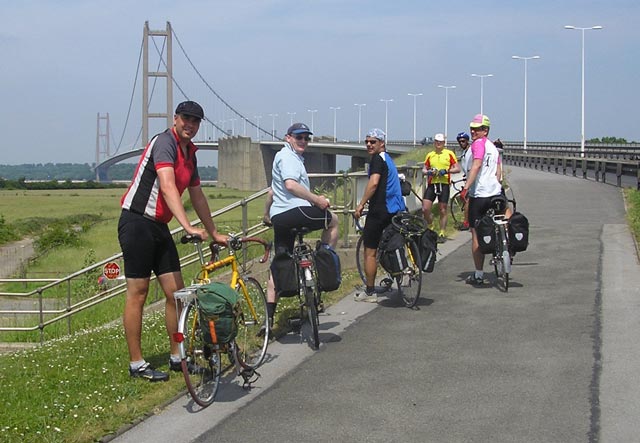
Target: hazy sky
64 62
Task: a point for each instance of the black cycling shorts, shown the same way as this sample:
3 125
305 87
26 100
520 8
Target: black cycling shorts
373 227
310 217
147 245
430 192
478 207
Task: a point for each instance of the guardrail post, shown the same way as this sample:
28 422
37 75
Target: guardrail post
69 306
596 169
345 211
584 168
564 165
574 165
619 174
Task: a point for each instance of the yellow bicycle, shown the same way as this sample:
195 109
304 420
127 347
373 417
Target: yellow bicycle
202 360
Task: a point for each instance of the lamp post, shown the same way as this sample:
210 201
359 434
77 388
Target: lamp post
257 117
446 106
414 114
482 76
273 125
291 114
335 110
312 111
582 125
359 105
517 57
386 114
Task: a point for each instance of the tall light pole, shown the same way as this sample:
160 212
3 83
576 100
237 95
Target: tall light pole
517 57
582 125
312 111
273 125
446 106
359 105
335 110
386 114
414 114
257 117
482 76
291 114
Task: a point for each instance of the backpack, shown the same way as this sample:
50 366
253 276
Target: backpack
219 311
327 268
428 249
391 253
518 232
285 274
486 233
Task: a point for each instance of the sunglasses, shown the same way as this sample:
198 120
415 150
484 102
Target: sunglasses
372 142
303 137
481 128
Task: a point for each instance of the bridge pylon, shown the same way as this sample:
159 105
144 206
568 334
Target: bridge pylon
166 57
103 144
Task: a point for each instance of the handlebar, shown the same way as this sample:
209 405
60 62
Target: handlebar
234 243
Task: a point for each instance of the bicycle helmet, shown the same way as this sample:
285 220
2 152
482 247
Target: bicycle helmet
462 135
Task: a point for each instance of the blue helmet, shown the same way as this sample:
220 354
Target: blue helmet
462 135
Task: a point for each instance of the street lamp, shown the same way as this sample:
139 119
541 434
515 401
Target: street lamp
482 76
517 57
291 114
582 126
335 109
359 105
257 117
414 114
312 111
386 114
446 106
273 125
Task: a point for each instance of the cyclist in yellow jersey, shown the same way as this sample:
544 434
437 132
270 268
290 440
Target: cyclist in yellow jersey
438 167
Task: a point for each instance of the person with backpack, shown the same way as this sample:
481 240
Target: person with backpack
384 196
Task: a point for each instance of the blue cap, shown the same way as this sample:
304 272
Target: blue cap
377 133
299 128
462 135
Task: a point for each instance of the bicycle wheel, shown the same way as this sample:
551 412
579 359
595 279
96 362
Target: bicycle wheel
500 267
201 366
311 301
360 260
410 282
456 207
408 223
252 345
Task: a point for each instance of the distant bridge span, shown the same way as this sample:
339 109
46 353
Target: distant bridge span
231 162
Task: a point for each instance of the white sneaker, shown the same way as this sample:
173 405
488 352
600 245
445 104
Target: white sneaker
368 298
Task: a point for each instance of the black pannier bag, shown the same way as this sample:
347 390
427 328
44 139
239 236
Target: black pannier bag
391 253
485 231
518 232
428 250
285 274
328 268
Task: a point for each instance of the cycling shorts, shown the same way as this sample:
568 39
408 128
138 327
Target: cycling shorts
373 227
478 207
430 192
147 246
310 217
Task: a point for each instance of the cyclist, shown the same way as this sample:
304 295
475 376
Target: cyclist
291 203
481 186
438 166
465 164
385 200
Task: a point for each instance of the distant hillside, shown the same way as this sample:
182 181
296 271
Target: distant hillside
77 171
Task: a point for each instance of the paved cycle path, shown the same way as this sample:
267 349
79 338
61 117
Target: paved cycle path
553 360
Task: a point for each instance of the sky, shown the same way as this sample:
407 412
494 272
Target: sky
64 63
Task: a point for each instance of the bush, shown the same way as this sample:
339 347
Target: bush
7 232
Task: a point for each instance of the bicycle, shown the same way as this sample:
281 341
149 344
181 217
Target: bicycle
457 204
201 360
308 291
502 257
409 280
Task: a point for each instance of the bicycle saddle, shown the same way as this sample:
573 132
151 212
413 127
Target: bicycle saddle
302 230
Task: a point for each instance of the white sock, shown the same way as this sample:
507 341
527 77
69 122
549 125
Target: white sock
174 358
136 364
479 274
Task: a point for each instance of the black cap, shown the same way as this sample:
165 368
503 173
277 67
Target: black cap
299 128
190 108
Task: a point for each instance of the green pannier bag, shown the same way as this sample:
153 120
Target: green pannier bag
219 312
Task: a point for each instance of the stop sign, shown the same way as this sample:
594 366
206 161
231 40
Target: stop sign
111 270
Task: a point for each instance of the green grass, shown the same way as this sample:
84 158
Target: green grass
632 198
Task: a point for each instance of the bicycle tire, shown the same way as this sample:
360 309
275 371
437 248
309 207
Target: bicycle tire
253 303
202 365
456 208
410 282
498 259
407 223
311 302
360 260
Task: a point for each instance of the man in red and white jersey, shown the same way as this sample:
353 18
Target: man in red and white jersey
167 168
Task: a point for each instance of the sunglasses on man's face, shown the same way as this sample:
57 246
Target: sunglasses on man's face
302 137
371 142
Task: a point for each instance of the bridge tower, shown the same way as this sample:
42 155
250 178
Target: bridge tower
167 74
103 144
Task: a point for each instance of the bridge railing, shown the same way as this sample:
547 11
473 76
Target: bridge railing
53 302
